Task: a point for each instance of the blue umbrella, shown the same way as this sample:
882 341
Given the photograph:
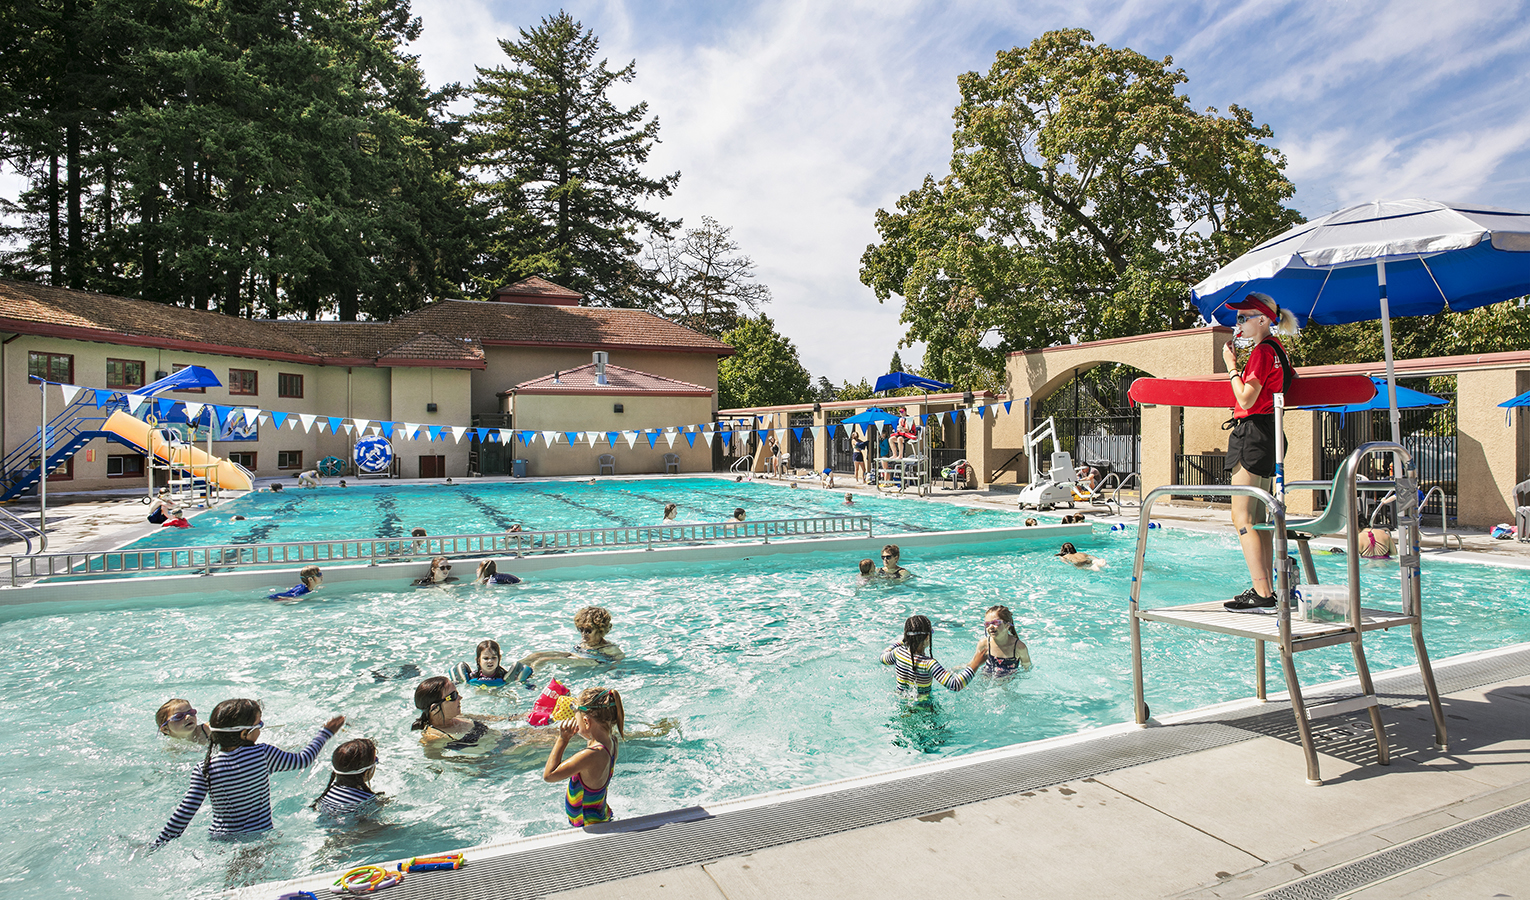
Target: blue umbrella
1408 257
1407 398
867 417
1521 400
894 381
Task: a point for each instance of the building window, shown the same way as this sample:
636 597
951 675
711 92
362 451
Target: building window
176 368
124 374
128 465
288 459
289 385
58 367
243 459
243 381
63 471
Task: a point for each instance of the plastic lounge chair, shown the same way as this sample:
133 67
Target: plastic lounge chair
671 463
607 464
1522 510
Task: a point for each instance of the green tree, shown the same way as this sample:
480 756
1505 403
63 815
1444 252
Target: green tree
856 391
1085 197
896 363
563 190
1487 329
704 282
764 369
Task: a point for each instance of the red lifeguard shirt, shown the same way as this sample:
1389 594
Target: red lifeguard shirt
1264 368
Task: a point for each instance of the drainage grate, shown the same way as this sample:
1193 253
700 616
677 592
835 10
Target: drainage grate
633 847
1403 857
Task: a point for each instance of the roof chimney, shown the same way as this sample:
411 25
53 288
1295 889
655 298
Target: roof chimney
601 358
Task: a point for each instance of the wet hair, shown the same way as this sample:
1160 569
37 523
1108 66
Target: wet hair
1005 615
669 510
739 514
596 617
499 670
276 488
1030 522
604 705
163 714
418 532
918 637
1067 548
513 528
358 753
343 484
868 566
310 572
487 569
893 549
427 697
439 562
225 733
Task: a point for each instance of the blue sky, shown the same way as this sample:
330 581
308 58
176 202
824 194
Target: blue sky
792 122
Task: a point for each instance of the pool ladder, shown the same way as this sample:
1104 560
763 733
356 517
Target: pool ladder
1293 636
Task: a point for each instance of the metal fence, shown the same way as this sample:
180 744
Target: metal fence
371 551
1429 434
800 455
1202 469
1097 423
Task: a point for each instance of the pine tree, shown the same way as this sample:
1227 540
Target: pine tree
564 193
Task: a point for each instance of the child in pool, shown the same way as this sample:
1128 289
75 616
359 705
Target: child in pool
488 573
594 623
309 580
238 779
489 672
915 665
1005 652
1073 557
157 508
589 771
349 791
444 727
177 719
177 519
671 511
868 570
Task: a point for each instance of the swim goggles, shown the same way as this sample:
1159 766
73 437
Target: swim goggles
259 724
182 716
371 765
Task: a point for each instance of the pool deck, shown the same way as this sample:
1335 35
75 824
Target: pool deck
1231 820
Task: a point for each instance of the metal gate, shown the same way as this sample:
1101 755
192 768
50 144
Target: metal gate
1429 433
1097 423
800 454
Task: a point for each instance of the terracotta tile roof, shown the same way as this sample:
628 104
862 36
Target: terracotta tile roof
620 380
370 341
538 288
432 346
560 326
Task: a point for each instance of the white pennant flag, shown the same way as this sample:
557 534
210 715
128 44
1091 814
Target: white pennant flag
504 437
409 429
670 429
250 415
361 425
348 427
708 435
669 438
193 410
876 428
592 437
307 421
631 437
70 391
460 432
781 436
551 437
135 402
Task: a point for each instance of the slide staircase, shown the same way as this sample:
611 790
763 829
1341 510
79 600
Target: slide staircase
76 425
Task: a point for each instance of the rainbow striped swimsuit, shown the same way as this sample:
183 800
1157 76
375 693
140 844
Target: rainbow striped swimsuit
587 806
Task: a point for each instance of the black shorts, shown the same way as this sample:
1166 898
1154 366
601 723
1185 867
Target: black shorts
859 457
1252 445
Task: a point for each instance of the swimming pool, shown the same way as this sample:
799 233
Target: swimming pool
769 666
485 507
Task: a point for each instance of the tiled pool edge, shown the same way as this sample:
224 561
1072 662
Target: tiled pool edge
524 867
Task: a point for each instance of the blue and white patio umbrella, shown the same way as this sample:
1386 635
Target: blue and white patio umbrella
1376 260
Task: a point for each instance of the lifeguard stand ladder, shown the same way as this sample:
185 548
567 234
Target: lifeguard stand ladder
1292 635
181 488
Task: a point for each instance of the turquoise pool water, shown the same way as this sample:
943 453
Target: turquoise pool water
768 666
393 510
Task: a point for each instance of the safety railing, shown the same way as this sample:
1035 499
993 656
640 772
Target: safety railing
371 551
1387 502
21 528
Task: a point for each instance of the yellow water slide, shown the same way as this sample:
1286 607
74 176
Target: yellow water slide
224 474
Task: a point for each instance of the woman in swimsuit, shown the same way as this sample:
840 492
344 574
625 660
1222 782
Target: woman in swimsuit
594 623
1006 652
444 727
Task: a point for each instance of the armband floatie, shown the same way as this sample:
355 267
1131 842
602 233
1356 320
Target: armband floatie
553 705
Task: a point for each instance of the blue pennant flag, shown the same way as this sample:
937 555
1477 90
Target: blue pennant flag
798 433
222 412
334 423
981 411
435 432
1006 405
690 438
573 437
278 419
953 414
162 407
611 437
484 433
102 397
387 428
653 438
527 437
726 436
924 419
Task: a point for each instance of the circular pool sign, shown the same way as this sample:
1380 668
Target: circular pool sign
374 454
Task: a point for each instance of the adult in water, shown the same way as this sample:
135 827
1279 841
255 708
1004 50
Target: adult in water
1251 446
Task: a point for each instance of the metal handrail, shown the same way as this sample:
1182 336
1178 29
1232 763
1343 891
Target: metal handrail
1445 533
371 551
1132 478
7 517
743 463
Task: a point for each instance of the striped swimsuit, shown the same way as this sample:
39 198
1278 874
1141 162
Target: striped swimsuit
242 800
343 800
917 674
587 806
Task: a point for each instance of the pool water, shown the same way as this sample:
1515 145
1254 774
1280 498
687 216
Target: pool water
394 510
769 668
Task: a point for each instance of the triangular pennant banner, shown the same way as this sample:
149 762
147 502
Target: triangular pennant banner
798 433
103 397
307 421
361 425
1007 404
136 402
435 431
781 436
348 427
631 438
573 438
412 431
250 415
162 407
708 435
387 429
924 419
690 439
526 437
592 437
726 436
193 411
70 391
611 437
333 422
653 438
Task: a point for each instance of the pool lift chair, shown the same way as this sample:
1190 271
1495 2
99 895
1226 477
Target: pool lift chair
1282 626
1054 487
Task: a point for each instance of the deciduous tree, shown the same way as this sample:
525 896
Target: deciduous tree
764 369
703 281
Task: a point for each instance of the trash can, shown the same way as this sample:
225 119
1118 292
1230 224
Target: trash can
518 468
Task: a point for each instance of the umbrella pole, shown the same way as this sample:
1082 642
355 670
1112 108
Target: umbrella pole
1386 344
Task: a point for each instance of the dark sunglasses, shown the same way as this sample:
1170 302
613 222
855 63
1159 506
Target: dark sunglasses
453 697
584 629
